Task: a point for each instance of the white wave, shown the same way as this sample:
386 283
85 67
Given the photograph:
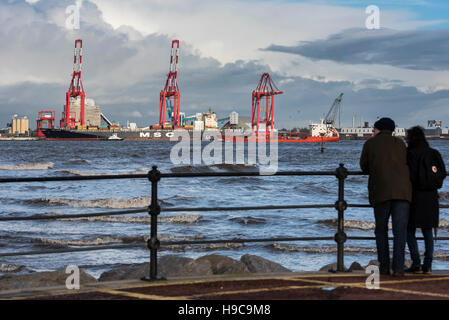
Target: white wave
207 247
29 166
182 219
167 237
83 242
6 268
140 171
441 256
369 225
81 173
110 203
92 173
194 218
319 250
248 220
111 240
444 223
353 224
118 219
348 250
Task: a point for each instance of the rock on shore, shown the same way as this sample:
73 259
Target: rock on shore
224 265
258 264
174 266
168 266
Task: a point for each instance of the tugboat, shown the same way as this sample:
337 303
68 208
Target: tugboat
318 133
114 137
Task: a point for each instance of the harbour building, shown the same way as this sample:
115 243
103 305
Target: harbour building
20 126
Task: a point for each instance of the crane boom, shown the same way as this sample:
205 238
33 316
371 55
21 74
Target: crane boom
334 110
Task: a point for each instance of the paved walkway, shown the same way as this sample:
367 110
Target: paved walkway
301 286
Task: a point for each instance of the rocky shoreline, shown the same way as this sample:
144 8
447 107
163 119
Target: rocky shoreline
169 266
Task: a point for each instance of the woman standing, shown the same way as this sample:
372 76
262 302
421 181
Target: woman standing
427 172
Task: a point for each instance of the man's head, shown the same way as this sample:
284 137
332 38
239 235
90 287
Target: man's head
384 124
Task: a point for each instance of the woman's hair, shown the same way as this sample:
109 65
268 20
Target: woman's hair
415 137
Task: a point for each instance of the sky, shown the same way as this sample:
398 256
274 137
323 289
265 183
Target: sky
313 50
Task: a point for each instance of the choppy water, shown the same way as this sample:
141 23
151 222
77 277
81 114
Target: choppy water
50 158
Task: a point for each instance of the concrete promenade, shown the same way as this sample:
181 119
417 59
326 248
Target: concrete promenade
280 286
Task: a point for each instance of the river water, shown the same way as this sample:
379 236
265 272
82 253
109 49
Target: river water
57 158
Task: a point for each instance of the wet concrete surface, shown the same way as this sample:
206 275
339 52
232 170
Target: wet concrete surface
311 286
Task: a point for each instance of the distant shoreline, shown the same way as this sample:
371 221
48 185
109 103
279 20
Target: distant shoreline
19 138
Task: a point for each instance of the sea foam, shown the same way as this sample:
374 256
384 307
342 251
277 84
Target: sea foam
28 166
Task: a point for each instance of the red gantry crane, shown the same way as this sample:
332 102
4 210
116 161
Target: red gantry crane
171 91
47 117
76 90
266 89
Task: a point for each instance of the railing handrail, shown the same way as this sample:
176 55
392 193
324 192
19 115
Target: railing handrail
74 178
175 175
154 209
178 175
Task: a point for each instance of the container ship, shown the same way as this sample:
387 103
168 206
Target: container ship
82 120
206 126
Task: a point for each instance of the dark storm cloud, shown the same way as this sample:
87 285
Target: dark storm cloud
122 71
407 105
416 49
124 76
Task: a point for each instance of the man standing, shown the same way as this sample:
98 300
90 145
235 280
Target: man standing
384 159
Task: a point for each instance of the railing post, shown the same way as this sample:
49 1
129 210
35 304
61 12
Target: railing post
154 210
341 205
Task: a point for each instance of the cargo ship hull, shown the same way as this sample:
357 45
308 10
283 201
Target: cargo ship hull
82 135
280 139
163 135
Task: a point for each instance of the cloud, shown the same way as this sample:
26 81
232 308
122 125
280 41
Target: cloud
136 114
414 49
234 29
124 70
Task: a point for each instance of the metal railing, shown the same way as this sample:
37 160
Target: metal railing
154 210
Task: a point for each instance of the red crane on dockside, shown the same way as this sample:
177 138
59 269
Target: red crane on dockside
45 117
76 90
266 89
171 90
